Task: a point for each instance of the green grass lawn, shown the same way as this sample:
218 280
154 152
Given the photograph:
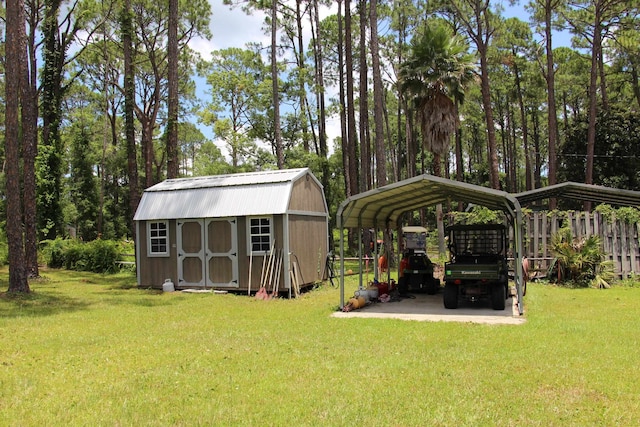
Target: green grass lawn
93 350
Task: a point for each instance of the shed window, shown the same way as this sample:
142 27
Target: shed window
158 233
260 230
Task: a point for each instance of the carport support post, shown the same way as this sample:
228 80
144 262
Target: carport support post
341 238
516 213
517 235
359 258
376 252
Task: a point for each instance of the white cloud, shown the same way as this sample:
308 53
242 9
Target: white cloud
231 27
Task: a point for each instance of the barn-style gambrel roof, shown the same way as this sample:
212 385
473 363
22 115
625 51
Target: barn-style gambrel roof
243 194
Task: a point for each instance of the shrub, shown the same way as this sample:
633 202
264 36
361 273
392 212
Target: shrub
53 252
98 256
580 262
102 256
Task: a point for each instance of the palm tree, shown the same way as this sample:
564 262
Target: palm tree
435 76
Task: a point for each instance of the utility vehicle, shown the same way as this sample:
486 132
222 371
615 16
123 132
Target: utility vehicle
477 269
417 269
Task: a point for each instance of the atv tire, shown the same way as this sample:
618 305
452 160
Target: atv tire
498 296
450 296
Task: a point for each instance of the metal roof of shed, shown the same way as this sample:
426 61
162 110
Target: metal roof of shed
244 194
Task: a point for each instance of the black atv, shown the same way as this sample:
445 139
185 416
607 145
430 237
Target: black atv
418 274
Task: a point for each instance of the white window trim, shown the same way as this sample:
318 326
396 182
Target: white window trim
157 254
248 227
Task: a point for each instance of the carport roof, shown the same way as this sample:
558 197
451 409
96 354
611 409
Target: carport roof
579 191
377 207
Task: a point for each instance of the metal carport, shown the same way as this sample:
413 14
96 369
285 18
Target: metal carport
384 206
579 191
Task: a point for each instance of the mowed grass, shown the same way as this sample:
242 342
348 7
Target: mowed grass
88 349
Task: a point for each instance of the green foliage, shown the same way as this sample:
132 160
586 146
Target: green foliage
617 141
48 177
580 262
81 181
98 256
627 214
4 246
631 281
479 215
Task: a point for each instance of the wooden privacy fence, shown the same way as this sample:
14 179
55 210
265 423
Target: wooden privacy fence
619 238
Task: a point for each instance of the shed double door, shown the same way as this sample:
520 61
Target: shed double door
208 253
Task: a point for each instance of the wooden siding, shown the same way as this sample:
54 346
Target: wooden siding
257 261
154 270
308 243
307 196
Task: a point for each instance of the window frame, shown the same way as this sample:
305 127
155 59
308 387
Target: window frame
150 238
250 234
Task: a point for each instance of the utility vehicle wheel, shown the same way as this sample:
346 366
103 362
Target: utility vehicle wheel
432 285
498 297
450 296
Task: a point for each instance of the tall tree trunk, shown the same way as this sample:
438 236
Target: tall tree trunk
322 134
346 148
351 115
29 101
524 124
459 159
537 175
593 100
304 111
129 106
146 140
634 81
277 132
15 49
50 185
172 77
378 98
365 146
319 62
500 102
402 104
410 141
513 151
552 117
485 89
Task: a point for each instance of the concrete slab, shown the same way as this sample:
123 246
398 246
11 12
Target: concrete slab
430 308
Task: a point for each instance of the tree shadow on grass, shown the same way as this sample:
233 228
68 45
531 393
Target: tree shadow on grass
37 304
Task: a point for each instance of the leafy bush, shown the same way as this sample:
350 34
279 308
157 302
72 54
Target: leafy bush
478 215
581 262
53 252
102 256
98 256
627 214
4 253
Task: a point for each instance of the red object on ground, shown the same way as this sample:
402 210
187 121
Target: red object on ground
383 288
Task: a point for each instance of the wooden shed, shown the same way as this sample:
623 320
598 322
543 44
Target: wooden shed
209 232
